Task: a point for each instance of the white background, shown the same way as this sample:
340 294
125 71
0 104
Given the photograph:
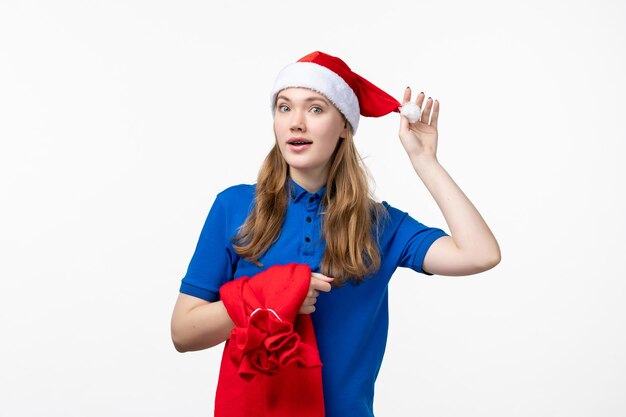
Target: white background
121 120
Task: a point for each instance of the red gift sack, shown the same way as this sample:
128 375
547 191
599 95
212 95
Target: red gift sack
270 364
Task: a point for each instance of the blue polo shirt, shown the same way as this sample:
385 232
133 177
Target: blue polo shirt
350 322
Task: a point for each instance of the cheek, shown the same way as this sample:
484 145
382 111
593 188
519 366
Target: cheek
279 124
332 138
280 146
330 147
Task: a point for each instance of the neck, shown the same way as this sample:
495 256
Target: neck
312 182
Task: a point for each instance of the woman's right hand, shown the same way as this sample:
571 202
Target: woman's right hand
319 282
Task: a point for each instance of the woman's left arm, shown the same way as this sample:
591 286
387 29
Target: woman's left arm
471 248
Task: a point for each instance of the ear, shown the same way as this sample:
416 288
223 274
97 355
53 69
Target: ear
344 132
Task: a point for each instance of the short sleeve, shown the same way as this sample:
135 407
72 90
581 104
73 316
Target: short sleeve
214 259
411 239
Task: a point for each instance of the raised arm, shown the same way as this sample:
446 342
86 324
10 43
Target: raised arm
471 247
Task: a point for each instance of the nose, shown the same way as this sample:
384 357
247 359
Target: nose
297 121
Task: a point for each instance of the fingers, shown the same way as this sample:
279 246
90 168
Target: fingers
312 293
308 305
420 99
407 95
306 309
426 112
406 98
309 302
430 114
319 282
435 116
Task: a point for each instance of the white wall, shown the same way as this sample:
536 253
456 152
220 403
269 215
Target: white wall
120 121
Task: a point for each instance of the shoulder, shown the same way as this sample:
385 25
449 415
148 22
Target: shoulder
236 201
231 207
237 194
389 208
393 214
396 222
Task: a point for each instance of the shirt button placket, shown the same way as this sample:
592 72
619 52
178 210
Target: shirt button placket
308 226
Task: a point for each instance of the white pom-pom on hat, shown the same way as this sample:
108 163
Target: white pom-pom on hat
411 111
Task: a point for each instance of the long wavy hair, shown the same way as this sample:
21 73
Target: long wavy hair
350 217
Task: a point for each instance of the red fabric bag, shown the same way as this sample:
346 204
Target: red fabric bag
270 364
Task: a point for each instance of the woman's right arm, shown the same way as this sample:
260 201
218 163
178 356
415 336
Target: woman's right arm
198 324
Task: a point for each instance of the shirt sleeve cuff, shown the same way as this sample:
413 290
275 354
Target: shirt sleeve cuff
198 292
424 246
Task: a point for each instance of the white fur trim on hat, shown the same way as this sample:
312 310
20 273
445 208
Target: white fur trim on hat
324 81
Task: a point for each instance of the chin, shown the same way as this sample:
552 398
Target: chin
298 163
300 167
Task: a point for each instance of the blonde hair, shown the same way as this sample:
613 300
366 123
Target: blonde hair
350 217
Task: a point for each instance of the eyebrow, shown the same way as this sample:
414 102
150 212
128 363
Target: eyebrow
308 99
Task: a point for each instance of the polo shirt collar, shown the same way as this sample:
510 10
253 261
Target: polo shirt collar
297 192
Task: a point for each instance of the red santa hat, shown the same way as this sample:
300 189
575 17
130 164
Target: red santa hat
352 94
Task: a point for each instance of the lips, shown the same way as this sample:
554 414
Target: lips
299 141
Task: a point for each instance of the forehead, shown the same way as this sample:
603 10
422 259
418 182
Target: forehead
300 93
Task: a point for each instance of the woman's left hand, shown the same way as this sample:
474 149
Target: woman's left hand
420 138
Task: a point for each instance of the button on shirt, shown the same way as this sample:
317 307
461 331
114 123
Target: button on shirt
351 321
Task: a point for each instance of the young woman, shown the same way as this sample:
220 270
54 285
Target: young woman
311 205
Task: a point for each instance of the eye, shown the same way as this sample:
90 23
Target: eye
316 109
283 108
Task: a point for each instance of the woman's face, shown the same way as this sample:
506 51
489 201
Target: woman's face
307 128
